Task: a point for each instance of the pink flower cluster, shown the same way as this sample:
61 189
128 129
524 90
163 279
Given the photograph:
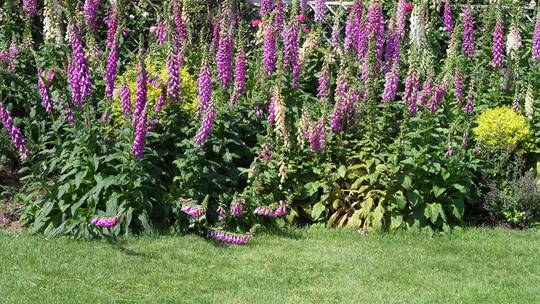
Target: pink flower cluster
104 222
9 55
272 212
192 210
237 207
14 132
229 237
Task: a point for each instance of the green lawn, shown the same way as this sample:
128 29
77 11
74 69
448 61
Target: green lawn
303 266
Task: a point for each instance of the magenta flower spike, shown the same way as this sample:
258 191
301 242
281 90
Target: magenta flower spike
498 46
205 87
14 133
448 18
536 40
320 10
206 126
458 87
266 7
269 49
91 8
30 7
468 33
401 18
140 135
224 57
104 222
174 85
111 69
45 94
240 71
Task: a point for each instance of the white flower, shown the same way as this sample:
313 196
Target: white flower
513 41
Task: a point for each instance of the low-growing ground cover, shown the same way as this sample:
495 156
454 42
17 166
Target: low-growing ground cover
300 266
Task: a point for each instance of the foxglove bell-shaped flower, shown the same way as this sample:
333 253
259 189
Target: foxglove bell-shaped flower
269 49
320 10
536 41
468 33
240 71
45 94
205 86
140 135
206 126
14 133
448 18
498 46
91 8
104 222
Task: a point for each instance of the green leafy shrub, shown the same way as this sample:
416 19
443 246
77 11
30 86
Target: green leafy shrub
518 203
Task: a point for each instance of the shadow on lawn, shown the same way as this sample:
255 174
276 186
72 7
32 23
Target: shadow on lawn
119 245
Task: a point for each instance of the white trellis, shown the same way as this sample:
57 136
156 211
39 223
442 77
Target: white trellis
333 5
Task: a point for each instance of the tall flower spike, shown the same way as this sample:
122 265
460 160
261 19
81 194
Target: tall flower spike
91 8
79 72
468 33
178 20
513 43
529 103
324 81
125 99
205 86
391 84
458 87
140 135
30 7
498 46
141 93
536 40
111 69
240 70
14 133
291 59
401 18
281 126
269 48
174 85
320 10
45 95
280 15
448 18
223 57
206 126
266 7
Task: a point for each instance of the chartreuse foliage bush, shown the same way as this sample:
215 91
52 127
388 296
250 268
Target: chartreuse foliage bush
158 72
502 128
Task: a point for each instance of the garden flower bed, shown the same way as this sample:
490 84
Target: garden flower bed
221 117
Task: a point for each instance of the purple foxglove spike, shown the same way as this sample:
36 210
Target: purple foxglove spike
223 58
205 87
206 126
536 41
125 99
498 46
448 18
320 10
140 135
45 95
269 49
401 18
14 133
468 33
30 7
91 8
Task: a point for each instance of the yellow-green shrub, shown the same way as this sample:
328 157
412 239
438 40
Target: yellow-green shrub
501 128
190 101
